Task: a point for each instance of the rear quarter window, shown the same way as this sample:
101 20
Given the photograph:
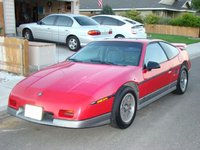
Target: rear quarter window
170 50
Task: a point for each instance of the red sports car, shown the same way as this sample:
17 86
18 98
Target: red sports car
104 83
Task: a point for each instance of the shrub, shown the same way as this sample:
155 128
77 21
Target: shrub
164 20
151 19
107 10
188 20
134 15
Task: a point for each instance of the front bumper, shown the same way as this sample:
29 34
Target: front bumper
49 120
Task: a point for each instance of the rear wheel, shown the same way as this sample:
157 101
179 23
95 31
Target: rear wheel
28 35
124 108
182 81
73 43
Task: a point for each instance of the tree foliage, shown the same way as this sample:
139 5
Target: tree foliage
107 10
196 4
134 15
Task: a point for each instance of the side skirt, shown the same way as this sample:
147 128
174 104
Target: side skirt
156 95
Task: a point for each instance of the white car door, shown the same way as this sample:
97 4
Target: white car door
64 25
45 28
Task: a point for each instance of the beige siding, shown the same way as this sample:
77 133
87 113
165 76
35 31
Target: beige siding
9 17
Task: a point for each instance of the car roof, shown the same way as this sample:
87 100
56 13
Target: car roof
133 40
69 15
119 18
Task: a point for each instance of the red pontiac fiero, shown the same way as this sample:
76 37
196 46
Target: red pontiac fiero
106 82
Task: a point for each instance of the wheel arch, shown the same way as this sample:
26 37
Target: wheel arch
26 28
132 85
71 36
119 35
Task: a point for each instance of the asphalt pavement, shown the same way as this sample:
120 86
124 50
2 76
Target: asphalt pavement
8 81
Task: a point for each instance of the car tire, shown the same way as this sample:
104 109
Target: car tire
124 108
182 82
28 35
119 36
73 43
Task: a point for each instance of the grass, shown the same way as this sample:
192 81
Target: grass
174 38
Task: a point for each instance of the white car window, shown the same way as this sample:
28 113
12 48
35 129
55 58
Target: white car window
50 20
64 21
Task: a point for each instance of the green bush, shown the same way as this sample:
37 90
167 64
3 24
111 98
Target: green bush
188 20
151 19
107 10
134 15
164 20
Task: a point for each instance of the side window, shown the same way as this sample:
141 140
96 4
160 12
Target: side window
64 21
170 50
98 19
112 21
49 20
154 52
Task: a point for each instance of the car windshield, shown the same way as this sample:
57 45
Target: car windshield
110 53
85 21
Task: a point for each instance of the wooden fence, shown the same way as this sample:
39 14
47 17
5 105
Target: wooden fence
1 19
14 55
173 30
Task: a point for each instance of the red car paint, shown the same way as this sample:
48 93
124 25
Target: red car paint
75 86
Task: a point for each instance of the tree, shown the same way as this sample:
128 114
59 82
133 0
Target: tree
107 10
134 15
196 5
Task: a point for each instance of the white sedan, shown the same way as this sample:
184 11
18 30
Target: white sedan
122 27
74 30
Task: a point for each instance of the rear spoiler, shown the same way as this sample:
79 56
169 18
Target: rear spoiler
181 46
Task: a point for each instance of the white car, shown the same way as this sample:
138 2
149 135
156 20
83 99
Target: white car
122 27
74 30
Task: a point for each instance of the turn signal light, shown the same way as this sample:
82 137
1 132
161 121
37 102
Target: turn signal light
100 101
12 103
66 113
94 32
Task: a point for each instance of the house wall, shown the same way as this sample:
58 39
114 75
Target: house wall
9 17
1 18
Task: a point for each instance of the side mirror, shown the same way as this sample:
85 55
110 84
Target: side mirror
39 22
152 65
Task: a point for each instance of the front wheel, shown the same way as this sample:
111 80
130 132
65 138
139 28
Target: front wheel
182 81
28 35
73 43
124 108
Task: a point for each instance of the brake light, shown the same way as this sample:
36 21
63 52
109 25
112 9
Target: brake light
94 32
110 32
66 113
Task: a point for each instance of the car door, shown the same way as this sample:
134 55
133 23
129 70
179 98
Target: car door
157 80
45 28
64 24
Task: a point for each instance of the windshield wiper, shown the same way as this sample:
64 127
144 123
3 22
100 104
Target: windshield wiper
105 62
74 60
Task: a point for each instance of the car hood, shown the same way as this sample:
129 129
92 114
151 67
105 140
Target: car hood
75 78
